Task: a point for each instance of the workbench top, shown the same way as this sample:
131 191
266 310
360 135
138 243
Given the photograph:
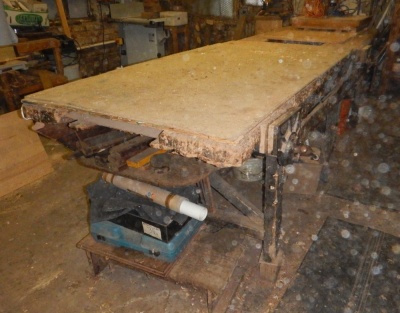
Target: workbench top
211 98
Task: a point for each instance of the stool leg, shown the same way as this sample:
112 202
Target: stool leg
98 263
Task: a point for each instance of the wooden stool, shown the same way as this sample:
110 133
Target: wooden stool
173 41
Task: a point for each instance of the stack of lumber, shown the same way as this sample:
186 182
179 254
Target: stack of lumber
23 158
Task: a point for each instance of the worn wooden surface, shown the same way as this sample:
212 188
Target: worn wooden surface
247 260
23 158
210 102
209 261
126 257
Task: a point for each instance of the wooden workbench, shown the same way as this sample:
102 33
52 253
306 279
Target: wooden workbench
213 103
218 103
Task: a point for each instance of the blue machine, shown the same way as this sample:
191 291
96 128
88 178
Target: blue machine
119 236
122 219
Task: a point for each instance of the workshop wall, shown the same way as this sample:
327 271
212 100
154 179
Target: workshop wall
209 25
205 29
89 34
94 59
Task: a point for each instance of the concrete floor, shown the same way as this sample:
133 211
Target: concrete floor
41 270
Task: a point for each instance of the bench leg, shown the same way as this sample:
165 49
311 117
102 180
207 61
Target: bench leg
271 258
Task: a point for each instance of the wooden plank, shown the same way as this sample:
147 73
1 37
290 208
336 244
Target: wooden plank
263 147
28 47
125 257
24 159
209 261
63 18
303 35
250 227
248 259
143 157
234 196
121 153
351 23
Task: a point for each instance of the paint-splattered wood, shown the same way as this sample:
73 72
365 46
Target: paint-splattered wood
209 102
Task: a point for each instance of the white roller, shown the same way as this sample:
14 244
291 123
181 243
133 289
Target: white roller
193 210
160 196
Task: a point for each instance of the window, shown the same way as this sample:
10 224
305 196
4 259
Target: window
254 2
73 8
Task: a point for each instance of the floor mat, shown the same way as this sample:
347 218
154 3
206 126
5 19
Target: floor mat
349 268
365 164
